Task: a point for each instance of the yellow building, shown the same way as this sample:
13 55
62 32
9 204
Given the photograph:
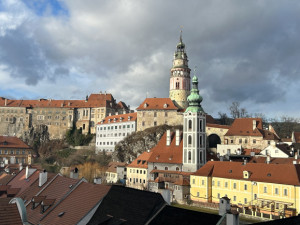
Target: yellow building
259 187
137 172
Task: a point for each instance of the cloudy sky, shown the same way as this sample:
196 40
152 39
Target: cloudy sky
245 51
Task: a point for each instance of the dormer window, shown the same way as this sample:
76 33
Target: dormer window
138 162
165 105
145 105
109 120
121 118
246 174
115 119
129 117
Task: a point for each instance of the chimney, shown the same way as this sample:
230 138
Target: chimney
62 105
5 102
116 113
168 138
268 159
69 103
294 162
20 166
29 172
74 174
109 114
177 137
254 124
42 178
245 161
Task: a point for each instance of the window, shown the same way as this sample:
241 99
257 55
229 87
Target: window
190 124
218 195
226 184
202 182
255 196
265 190
240 141
190 140
234 185
231 141
234 198
276 191
245 187
193 181
155 123
166 114
246 141
177 168
143 123
218 183
245 200
198 194
213 183
285 192
155 114
254 141
166 168
189 155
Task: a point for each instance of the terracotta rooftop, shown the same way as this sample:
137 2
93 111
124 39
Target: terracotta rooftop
112 166
5 178
162 153
260 172
157 104
297 137
141 161
12 142
263 159
244 127
76 204
247 151
56 189
9 213
94 100
172 172
20 181
119 118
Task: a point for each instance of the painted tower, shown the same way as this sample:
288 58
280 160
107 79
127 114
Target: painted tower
180 76
194 136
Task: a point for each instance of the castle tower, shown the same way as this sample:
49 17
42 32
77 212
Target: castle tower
194 136
180 76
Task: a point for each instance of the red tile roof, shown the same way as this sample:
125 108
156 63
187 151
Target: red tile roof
162 153
9 213
141 161
76 204
56 189
34 188
20 181
119 118
248 151
112 166
12 142
157 104
5 178
244 127
260 172
297 137
94 100
172 172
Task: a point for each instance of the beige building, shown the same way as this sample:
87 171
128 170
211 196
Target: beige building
17 116
158 111
13 151
137 172
249 133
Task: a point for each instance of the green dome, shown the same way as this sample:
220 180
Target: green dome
194 98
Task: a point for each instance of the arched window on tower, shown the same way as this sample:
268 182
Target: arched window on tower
190 140
189 156
190 124
177 85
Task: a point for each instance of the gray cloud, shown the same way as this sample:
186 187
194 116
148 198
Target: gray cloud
244 51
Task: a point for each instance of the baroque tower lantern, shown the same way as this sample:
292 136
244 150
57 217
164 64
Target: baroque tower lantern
194 136
180 76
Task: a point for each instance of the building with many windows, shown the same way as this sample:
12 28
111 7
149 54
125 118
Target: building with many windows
17 116
137 172
13 150
260 187
113 129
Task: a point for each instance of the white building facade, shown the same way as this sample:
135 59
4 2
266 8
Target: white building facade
113 129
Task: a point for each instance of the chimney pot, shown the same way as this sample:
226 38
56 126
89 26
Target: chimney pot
168 138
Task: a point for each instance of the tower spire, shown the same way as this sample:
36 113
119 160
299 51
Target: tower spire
194 98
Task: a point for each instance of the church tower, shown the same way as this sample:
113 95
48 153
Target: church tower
194 136
180 76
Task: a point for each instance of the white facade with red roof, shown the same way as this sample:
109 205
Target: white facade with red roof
113 129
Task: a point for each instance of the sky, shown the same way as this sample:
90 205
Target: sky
244 51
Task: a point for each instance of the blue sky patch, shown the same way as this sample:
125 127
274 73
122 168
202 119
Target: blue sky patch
47 7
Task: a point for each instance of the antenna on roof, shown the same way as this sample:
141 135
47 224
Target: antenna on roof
181 27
